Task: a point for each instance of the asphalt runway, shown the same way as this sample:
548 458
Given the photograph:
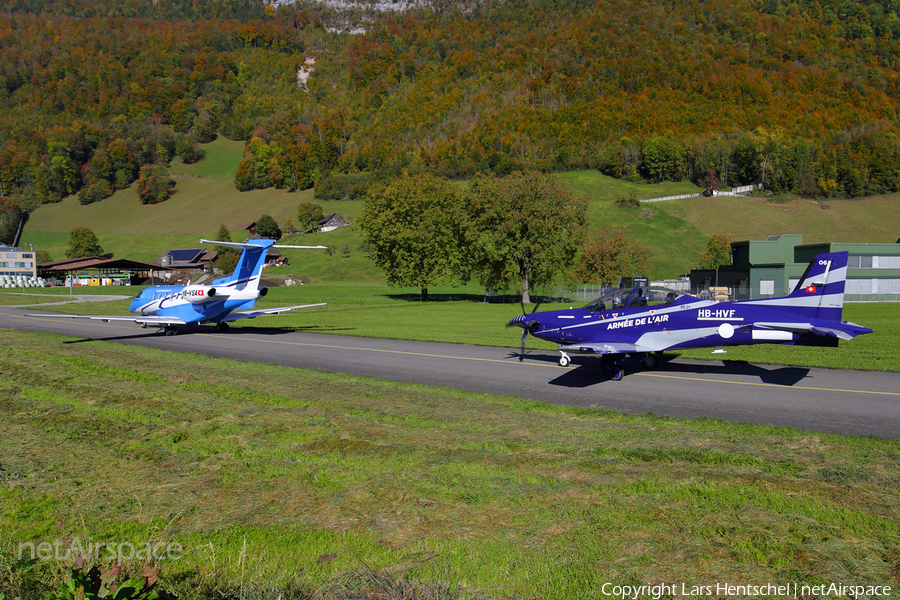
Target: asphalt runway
823 400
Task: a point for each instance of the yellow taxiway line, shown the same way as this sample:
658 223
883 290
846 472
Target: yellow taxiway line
555 366
552 366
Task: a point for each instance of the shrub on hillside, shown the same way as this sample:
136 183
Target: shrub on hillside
342 187
154 184
99 191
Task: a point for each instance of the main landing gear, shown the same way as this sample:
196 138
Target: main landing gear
613 367
170 330
612 363
649 361
222 327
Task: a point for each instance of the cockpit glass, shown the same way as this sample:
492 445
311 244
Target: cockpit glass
632 298
611 300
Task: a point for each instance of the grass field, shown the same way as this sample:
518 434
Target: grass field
285 483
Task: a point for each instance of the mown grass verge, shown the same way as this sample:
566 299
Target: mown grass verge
280 481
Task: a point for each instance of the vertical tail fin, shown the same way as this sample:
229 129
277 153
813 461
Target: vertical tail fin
821 289
249 266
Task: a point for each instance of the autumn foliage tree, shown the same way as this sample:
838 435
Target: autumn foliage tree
717 253
608 255
10 216
154 184
802 97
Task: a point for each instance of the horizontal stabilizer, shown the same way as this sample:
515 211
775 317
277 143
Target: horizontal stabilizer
844 331
246 245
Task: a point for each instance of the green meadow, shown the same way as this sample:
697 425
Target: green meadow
272 482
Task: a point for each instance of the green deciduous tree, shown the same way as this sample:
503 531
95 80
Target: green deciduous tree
226 256
717 253
267 227
415 228
528 228
308 216
83 242
663 159
188 150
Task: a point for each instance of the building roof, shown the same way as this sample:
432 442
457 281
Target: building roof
183 258
53 264
186 255
95 262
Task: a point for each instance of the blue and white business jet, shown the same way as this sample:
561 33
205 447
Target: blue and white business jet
624 323
224 300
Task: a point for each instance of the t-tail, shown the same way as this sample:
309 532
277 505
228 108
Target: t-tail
249 266
244 281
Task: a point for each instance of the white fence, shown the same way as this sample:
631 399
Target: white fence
747 294
586 292
738 191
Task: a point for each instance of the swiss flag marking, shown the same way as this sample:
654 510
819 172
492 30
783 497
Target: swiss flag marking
810 289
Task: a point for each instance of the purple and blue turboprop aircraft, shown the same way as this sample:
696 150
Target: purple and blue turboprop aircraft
225 300
623 322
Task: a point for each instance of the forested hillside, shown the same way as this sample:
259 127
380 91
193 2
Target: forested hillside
801 96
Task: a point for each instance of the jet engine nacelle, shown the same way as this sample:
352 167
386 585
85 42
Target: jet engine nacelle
199 293
263 292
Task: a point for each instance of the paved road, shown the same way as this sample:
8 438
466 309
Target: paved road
848 402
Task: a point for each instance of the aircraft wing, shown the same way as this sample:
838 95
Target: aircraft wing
252 314
149 319
610 347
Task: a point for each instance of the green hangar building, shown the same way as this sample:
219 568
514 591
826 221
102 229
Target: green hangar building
772 267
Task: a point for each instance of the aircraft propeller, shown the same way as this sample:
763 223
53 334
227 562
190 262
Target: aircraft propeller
526 326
